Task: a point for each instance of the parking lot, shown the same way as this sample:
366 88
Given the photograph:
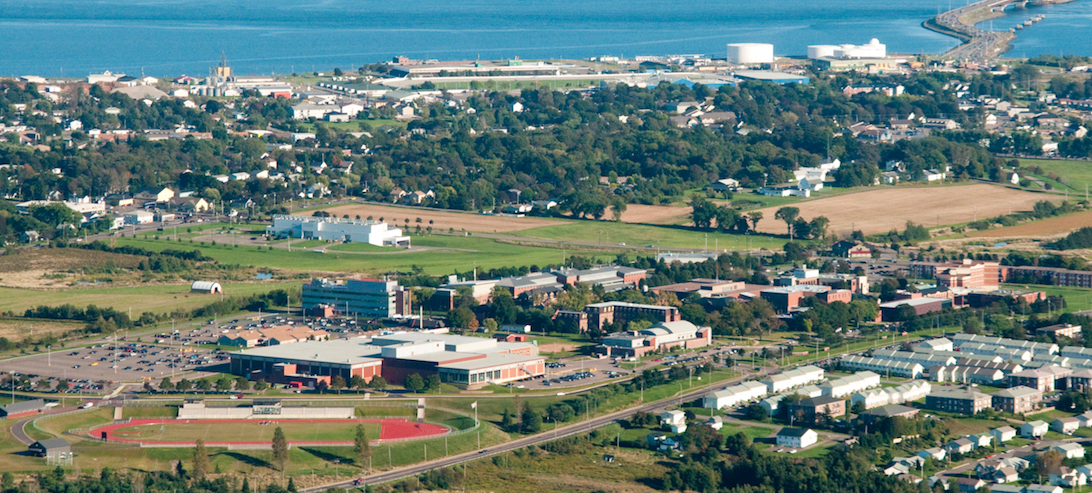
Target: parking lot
85 368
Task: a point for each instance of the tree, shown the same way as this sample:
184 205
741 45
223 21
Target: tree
204 384
789 215
530 420
200 459
508 422
261 385
280 449
1048 462
755 217
414 383
378 383
166 384
490 325
62 385
337 382
361 447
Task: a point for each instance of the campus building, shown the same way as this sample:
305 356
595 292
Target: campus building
469 362
964 273
337 229
662 336
957 400
370 298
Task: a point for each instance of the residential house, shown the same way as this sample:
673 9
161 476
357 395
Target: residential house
1043 488
969 485
1003 434
797 437
1034 429
935 453
1069 450
1066 425
674 420
814 408
715 422
960 446
158 195
981 440
1068 478
1005 475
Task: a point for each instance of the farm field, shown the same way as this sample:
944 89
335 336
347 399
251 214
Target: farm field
239 431
156 298
880 210
33 268
1073 175
19 329
1046 227
465 252
442 219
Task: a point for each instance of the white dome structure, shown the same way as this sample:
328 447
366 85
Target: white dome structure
750 53
820 51
206 287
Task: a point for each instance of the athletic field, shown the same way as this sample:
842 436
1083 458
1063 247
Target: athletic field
255 432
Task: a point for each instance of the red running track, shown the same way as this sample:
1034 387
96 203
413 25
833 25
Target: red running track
390 429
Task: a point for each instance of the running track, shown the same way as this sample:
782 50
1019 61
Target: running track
390 429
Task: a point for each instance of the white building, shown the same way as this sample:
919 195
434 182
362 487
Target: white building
793 378
874 49
1034 429
797 437
871 398
674 421
925 359
1069 450
941 344
849 385
1035 347
732 396
883 366
139 217
335 229
1003 434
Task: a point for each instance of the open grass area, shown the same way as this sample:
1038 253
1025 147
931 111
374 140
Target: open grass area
237 431
751 432
359 247
610 233
467 252
149 412
1049 415
156 299
54 426
1076 299
1073 175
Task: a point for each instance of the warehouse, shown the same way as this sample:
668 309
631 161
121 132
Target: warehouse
337 229
469 362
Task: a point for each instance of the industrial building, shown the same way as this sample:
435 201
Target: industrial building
750 53
337 229
659 337
371 298
469 362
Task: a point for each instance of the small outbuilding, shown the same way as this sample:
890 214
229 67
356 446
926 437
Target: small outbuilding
50 448
206 287
22 408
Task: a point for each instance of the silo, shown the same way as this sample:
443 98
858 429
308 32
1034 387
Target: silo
750 53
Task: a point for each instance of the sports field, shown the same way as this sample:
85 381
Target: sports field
884 209
222 432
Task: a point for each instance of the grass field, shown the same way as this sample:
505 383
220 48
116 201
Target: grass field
1076 299
156 299
442 219
469 251
360 247
883 209
1073 175
17 329
641 235
244 432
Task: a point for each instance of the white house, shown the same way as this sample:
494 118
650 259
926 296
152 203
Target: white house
1003 434
935 453
960 446
1034 429
1066 425
797 437
715 422
1068 478
1069 450
871 398
674 421
983 440
940 344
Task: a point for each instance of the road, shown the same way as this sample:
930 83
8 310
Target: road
1018 452
19 428
565 431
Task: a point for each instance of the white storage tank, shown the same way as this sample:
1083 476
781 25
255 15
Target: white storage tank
750 53
819 51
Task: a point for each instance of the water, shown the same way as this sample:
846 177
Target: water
174 37
1057 34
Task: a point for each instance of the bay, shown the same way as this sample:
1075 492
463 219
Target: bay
174 37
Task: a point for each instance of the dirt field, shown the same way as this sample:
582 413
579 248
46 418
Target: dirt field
17 330
40 267
441 219
556 347
654 214
879 211
1046 227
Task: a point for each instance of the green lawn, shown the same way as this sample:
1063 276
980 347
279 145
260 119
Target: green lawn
1076 299
471 251
156 298
1073 175
1049 415
610 233
184 431
360 247
751 432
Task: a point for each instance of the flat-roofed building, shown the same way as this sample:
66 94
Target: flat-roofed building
660 336
1017 400
1060 330
371 298
337 229
957 400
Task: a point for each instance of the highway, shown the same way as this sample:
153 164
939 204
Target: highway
552 434
978 45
